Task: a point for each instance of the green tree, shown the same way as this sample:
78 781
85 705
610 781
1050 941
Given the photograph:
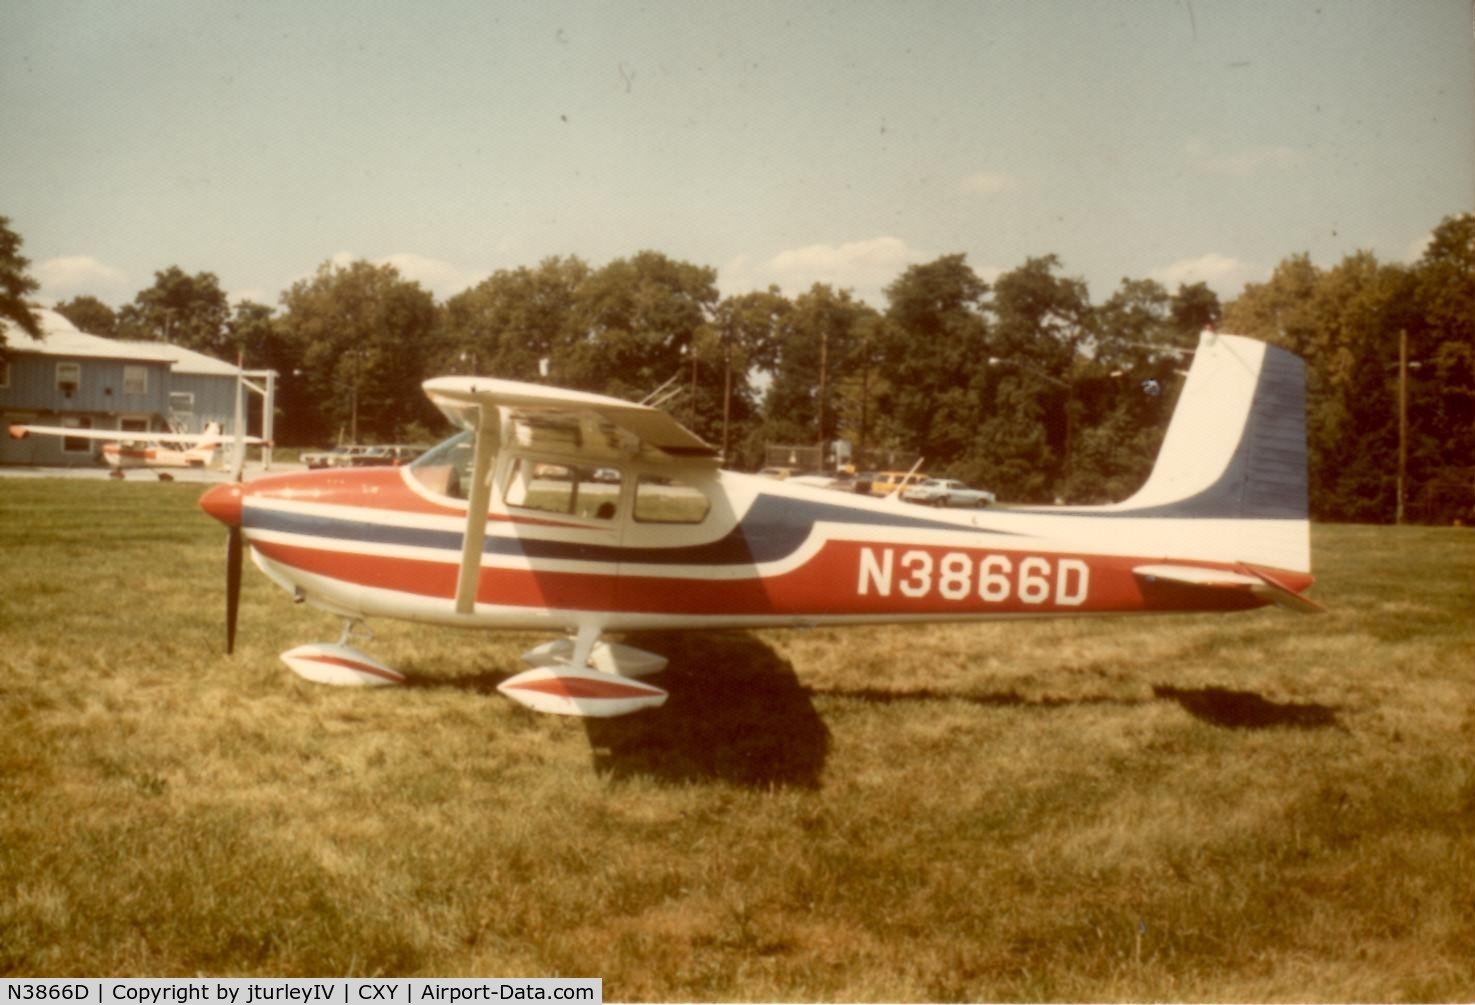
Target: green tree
634 324
181 309
1125 390
90 315
814 345
934 348
15 284
1043 321
506 324
1442 388
362 335
1195 308
748 328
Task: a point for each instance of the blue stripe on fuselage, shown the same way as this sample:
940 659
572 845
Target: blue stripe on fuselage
773 529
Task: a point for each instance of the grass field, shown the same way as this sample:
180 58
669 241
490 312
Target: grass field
1248 807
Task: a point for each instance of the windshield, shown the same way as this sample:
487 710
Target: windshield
445 468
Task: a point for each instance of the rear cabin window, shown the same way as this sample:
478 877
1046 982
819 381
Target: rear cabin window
592 493
659 499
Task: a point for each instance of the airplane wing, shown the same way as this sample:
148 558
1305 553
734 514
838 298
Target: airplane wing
20 432
462 397
482 404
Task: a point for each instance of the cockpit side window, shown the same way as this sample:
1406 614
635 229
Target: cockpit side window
445 469
566 489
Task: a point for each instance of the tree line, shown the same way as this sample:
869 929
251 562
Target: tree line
1023 385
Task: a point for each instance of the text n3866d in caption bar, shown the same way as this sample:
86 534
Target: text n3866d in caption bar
283 991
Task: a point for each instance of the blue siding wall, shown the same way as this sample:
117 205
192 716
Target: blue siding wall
33 386
215 399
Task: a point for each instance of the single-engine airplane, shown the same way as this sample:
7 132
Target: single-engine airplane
561 511
126 449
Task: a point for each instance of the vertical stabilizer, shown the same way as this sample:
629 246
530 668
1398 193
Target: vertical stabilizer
1236 445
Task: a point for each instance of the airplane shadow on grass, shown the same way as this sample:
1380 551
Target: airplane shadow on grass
1215 705
737 714
1247 710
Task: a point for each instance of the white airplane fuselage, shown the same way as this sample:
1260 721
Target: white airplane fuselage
375 542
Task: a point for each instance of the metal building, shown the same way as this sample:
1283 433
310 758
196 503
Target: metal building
71 378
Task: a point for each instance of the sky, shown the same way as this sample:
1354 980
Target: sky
778 143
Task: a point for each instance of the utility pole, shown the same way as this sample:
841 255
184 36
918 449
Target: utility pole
824 361
1402 421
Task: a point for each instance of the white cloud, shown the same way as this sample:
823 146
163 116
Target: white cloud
867 267
439 277
1224 274
1415 249
1244 163
75 275
989 182
254 294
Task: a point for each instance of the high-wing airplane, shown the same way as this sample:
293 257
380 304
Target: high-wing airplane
574 513
125 449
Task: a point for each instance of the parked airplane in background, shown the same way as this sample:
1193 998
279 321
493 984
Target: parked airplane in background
124 449
568 512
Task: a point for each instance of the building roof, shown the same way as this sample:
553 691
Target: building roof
62 338
189 361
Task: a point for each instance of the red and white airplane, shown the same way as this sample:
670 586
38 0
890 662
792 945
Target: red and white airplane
580 514
125 449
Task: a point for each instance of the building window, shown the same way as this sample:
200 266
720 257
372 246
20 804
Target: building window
68 378
182 402
75 444
135 380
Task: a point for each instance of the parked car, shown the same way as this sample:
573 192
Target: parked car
362 456
883 483
386 454
336 457
947 492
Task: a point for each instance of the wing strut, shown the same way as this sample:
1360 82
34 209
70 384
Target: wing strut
487 434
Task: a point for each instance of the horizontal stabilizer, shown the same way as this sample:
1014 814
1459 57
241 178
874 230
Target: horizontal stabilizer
1259 582
567 690
1276 590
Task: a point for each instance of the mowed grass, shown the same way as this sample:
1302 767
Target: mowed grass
1259 806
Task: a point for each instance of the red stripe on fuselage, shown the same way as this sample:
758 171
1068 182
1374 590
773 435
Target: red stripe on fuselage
959 583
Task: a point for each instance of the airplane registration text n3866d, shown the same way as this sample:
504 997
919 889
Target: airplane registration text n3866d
959 576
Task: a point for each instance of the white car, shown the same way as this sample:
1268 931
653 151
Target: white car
947 492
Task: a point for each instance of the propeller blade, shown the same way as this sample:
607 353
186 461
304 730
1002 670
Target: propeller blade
232 586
